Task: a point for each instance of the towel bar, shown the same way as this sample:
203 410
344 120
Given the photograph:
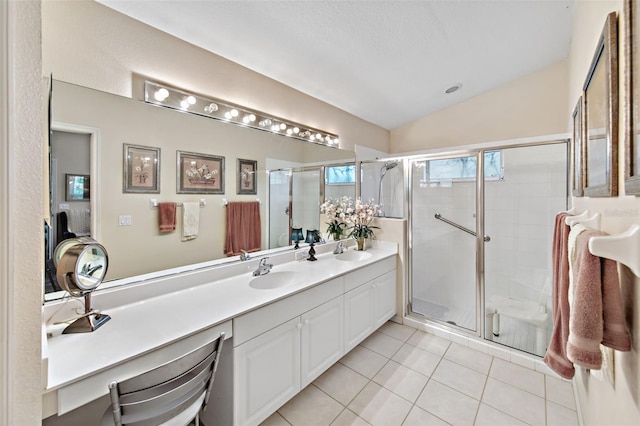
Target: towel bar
154 203
585 219
225 202
623 248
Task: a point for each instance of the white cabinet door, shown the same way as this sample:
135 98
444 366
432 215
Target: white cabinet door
384 289
267 373
359 320
322 339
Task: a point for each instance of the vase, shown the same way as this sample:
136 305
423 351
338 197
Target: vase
336 236
361 243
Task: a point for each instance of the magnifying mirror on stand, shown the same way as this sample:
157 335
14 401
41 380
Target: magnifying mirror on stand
81 265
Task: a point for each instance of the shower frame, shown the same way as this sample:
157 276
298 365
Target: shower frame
479 222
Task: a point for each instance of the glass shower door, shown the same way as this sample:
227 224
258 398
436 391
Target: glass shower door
443 249
519 215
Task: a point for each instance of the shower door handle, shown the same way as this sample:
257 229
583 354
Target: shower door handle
438 216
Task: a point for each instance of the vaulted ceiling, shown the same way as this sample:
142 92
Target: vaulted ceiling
388 62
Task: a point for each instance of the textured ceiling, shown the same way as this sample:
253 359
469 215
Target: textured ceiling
388 62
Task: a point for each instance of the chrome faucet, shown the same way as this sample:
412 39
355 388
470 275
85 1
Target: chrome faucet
245 255
263 267
339 248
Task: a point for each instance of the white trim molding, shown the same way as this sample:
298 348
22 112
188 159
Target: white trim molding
5 316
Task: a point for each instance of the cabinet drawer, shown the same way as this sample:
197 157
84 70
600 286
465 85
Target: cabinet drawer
254 323
357 278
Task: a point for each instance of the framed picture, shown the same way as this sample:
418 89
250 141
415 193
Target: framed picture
577 181
600 128
199 173
247 176
141 169
632 101
78 187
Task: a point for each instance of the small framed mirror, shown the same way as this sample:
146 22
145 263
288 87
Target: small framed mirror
600 134
632 101
577 180
78 187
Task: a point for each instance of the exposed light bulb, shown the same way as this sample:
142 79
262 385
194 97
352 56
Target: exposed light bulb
191 100
246 119
234 112
184 104
318 136
212 107
252 117
161 94
289 131
296 130
283 126
228 115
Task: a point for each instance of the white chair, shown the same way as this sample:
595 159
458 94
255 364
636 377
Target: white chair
172 394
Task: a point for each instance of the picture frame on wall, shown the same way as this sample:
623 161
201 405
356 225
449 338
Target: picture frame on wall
141 169
78 187
247 176
199 173
600 128
577 180
632 97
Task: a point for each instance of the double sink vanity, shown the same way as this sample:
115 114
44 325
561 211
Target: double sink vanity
283 328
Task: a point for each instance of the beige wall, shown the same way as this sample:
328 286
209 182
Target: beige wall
91 45
602 402
533 105
21 237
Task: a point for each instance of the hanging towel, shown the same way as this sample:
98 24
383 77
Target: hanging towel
597 312
190 220
243 228
167 217
556 356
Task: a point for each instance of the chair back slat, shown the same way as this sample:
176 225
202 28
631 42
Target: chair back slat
159 395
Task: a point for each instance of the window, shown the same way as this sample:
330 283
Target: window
464 168
340 175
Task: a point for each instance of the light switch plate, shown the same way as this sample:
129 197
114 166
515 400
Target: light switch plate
124 220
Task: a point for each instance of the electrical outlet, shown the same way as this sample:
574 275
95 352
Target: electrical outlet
124 220
301 254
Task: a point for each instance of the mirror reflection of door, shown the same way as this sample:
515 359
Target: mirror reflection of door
70 157
279 208
305 199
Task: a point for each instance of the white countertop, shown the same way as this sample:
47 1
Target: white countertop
141 327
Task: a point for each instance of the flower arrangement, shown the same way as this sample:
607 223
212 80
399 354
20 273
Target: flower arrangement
336 210
354 216
360 218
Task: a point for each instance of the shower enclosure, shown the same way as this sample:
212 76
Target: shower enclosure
383 182
481 225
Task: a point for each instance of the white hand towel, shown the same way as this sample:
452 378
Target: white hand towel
190 220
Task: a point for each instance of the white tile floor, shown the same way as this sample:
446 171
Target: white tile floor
403 376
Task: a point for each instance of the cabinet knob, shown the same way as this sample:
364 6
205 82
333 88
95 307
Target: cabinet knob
299 326
306 322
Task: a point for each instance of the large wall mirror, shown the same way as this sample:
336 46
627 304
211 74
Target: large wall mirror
632 101
127 223
600 136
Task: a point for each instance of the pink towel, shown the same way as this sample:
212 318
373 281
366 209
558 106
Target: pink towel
167 217
556 356
243 228
597 312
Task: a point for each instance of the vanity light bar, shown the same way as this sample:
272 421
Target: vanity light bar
166 96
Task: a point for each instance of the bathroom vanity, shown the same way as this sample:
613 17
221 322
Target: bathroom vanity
285 328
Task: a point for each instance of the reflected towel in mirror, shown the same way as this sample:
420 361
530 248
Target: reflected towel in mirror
243 228
190 220
167 217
